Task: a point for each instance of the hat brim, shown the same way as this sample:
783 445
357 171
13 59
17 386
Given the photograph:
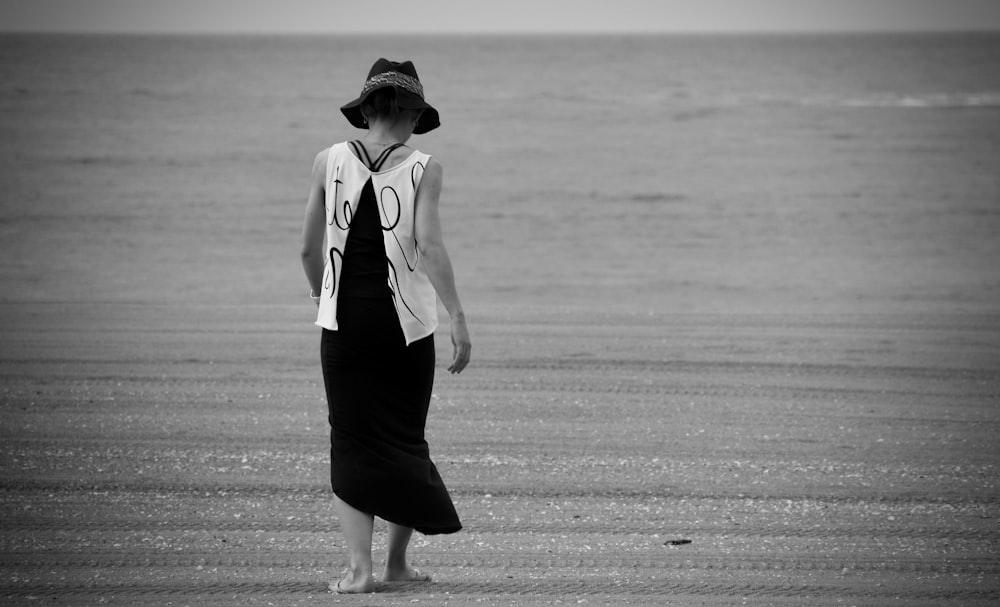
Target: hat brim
429 119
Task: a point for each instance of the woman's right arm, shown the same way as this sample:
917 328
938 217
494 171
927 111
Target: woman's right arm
314 225
437 263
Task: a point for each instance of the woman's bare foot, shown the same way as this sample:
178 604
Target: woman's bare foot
404 574
352 584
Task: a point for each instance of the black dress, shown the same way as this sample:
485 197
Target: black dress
378 391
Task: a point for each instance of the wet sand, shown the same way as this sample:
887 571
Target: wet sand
177 455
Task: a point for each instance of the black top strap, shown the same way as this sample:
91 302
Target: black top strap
377 166
362 153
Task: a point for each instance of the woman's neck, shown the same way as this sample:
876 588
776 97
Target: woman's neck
382 133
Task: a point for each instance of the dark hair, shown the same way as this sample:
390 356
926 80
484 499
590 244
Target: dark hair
381 104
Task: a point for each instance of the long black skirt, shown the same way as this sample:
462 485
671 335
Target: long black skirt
378 390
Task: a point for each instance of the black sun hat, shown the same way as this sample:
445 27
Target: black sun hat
409 94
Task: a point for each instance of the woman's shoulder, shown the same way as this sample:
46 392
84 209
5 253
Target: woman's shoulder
424 158
325 152
333 152
319 163
325 157
337 148
432 165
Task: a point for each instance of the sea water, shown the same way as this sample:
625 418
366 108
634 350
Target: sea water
687 172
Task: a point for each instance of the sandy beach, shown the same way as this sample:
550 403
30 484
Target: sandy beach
753 360
184 461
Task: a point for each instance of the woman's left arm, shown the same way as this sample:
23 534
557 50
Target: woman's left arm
314 225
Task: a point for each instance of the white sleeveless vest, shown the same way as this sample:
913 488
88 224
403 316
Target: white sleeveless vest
395 189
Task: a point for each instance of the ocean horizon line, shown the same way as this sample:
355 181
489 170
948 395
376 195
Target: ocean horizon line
803 33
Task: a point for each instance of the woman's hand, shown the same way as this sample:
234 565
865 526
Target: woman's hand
461 343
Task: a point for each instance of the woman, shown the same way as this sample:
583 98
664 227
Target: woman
375 260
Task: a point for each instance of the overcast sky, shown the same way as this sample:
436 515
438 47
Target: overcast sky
472 16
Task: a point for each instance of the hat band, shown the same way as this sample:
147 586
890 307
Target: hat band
403 81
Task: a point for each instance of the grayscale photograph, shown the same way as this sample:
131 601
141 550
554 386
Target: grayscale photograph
522 303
